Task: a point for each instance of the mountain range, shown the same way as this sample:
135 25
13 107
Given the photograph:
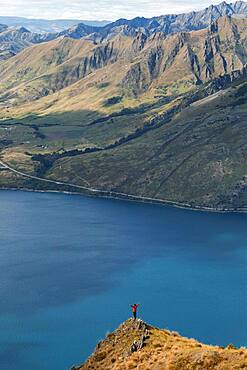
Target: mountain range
45 25
15 39
170 23
21 32
140 63
132 109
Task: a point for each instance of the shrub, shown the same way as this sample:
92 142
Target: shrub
113 100
100 356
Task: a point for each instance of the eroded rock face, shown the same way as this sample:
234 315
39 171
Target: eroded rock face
138 59
130 329
198 57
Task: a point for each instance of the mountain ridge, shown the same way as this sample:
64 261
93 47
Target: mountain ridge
173 23
15 39
46 25
167 24
137 345
150 61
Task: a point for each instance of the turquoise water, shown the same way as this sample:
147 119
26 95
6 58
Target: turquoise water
71 265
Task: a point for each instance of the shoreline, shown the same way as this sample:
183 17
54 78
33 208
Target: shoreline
130 198
93 192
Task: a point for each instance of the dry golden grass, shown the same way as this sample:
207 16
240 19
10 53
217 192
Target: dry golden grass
44 66
17 158
162 350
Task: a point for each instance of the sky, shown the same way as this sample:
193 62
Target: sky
97 9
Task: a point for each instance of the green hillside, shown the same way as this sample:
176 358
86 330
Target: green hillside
155 117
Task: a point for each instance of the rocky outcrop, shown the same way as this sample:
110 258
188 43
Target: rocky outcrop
137 345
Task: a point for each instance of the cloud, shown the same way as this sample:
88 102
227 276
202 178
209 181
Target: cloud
97 9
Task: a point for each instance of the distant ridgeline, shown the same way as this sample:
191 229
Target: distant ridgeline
18 33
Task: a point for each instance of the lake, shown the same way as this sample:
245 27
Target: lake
70 266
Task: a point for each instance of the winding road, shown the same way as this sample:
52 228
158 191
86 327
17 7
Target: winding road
6 166
107 193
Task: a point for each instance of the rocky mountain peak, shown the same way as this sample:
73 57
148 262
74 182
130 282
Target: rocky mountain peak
136 344
21 29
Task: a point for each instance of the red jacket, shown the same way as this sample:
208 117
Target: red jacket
134 307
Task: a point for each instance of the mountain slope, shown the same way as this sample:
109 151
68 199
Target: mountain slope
137 114
15 39
157 64
197 158
189 154
137 345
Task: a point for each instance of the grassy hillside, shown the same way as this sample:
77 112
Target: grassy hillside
198 157
158 117
137 345
129 63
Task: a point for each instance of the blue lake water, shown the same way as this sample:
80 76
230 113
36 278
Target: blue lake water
71 265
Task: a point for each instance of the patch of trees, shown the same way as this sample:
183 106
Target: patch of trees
113 100
46 161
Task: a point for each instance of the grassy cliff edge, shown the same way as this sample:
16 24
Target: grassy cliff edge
137 345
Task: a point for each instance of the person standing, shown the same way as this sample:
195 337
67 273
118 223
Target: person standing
134 309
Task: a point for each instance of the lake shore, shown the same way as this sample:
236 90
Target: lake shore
65 187
131 198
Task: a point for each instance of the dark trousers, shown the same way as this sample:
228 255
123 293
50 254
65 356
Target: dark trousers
134 314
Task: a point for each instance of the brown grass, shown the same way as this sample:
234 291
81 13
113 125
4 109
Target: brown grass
163 350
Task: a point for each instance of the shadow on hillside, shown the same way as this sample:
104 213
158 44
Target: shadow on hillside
82 117
85 117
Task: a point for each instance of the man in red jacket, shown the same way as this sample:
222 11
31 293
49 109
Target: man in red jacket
134 309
